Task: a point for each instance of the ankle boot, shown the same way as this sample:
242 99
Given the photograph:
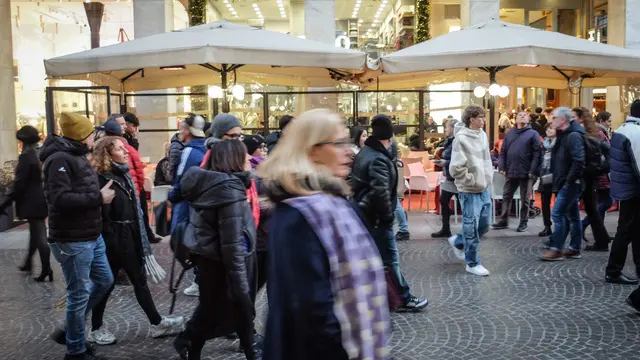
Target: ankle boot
522 227
444 233
546 232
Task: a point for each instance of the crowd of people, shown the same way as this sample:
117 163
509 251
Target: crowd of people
309 212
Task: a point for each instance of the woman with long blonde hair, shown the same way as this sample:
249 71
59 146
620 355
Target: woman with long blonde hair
126 240
326 285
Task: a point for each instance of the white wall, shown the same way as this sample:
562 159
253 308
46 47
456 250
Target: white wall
277 25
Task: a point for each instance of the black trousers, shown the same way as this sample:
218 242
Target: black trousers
445 211
263 268
217 314
145 214
38 241
600 234
510 187
546 192
628 230
133 266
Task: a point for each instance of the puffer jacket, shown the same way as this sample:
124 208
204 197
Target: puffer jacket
221 225
446 157
72 190
567 157
175 150
625 160
374 179
520 153
136 167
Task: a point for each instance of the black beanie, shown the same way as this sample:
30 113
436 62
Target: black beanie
635 109
28 135
381 127
253 143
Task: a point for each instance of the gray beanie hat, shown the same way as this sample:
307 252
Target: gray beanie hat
222 123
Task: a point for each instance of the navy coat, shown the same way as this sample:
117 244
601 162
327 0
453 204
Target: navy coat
625 160
567 156
520 154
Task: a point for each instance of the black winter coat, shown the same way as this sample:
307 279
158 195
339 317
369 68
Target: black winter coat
446 157
120 223
520 154
72 191
374 179
27 192
221 223
567 156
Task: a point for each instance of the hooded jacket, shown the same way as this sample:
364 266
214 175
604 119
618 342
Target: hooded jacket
470 163
72 190
374 179
272 140
567 156
520 153
191 156
625 160
221 225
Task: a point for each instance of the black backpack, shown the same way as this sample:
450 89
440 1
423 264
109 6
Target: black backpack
181 254
596 156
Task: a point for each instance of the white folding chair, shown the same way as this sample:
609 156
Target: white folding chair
158 195
497 193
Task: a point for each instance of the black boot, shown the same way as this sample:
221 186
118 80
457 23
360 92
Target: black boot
546 232
501 224
444 233
186 348
402 236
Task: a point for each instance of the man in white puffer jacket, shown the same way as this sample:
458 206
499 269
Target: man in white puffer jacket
472 170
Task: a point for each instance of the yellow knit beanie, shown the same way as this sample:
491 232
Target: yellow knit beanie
75 126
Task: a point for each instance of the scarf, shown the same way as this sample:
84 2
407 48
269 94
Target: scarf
151 265
255 161
252 197
357 276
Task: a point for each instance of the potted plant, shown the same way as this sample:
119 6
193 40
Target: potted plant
6 181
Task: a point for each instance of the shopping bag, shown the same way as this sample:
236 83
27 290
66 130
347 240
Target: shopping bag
163 222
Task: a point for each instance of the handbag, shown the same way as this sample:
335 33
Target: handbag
546 179
163 222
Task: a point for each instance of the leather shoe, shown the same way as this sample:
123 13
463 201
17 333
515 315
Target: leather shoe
622 279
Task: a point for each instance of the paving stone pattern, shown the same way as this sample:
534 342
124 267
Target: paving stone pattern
526 309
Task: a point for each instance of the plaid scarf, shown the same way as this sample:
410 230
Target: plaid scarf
357 275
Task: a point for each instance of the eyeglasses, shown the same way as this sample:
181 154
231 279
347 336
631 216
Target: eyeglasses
235 136
344 143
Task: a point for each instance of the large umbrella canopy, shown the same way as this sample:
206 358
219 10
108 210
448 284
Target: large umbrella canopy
523 56
198 56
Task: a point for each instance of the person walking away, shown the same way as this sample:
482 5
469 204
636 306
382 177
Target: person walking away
192 155
567 164
28 195
273 138
447 187
545 187
221 235
317 311
176 147
471 168
536 124
399 214
131 129
596 188
126 240
163 175
75 198
374 180
625 187
519 162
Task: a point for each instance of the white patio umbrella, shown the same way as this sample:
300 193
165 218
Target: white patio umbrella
208 54
515 55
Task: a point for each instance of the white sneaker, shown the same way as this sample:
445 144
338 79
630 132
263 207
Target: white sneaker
478 270
168 325
459 254
101 337
193 290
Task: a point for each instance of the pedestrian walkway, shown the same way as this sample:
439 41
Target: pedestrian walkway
526 309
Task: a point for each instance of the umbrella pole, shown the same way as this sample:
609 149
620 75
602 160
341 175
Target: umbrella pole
223 82
492 108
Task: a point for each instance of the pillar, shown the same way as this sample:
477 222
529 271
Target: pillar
8 144
623 30
154 17
473 12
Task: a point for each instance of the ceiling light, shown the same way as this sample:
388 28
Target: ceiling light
373 25
358 1
360 21
384 2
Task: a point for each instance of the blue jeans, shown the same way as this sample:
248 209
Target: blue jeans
401 218
88 276
566 218
476 218
386 243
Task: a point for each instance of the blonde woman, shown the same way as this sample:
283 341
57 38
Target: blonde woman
317 310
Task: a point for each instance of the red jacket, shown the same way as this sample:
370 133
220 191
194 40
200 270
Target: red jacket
136 167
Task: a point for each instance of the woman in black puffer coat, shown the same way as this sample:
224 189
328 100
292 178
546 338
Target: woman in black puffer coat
447 187
221 235
28 195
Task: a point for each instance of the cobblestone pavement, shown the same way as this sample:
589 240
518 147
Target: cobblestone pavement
526 309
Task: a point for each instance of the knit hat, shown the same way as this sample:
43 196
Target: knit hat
635 108
284 121
196 125
75 126
222 123
28 135
382 128
253 143
111 128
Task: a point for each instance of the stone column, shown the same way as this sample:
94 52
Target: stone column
8 144
624 31
153 17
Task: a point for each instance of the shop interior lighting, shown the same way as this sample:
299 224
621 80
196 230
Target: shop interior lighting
283 13
256 8
493 90
356 8
230 8
173 68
